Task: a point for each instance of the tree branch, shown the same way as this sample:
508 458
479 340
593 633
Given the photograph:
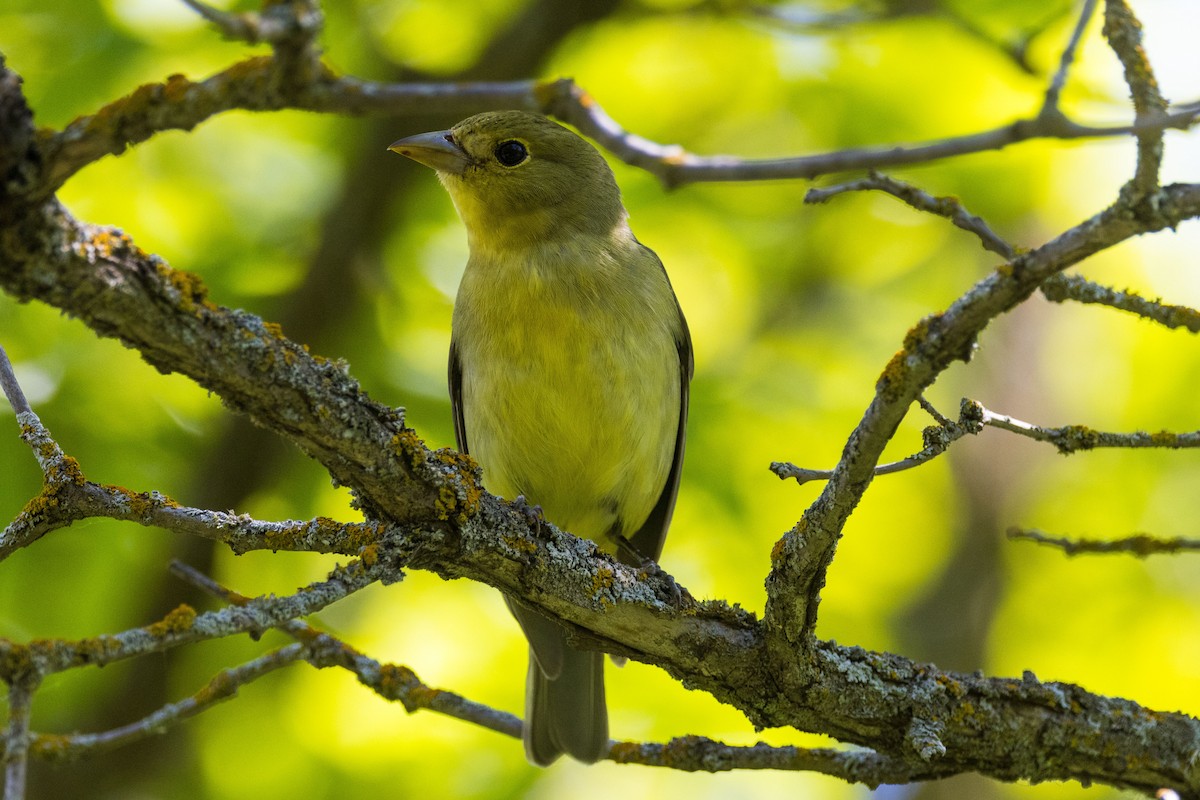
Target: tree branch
1060 288
1059 81
804 553
948 207
929 721
223 686
1124 34
1140 545
15 757
1073 438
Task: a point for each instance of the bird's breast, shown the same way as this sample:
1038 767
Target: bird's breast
570 392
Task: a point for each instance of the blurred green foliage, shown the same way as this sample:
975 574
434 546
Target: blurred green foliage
794 311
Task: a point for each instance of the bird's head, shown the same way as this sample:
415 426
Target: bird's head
517 177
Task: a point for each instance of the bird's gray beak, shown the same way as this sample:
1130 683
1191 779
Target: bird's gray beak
437 150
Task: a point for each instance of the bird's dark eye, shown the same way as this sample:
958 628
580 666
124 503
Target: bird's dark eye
511 152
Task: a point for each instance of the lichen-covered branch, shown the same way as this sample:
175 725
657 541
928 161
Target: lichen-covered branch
434 515
936 440
183 625
295 77
674 166
21 688
391 681
67 497
1061 288
803 554
1124 35
1140 544
1073 438
223 686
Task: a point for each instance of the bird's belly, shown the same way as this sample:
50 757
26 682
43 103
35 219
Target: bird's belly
583 426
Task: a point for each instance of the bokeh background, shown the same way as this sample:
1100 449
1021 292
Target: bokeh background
306 220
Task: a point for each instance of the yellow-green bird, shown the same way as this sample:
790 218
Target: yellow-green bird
569 368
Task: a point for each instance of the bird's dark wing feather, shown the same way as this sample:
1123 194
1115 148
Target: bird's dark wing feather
456 400
648 540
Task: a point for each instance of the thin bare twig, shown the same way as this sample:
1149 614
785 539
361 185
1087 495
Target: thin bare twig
1140 544
278 22
949 207
223 686
12 389
16 735
1073 438
674 166
1054 90
390 681
937 439
1060 288
184 626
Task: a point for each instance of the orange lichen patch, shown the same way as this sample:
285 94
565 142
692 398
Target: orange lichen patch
952 685
50 747
622 752
799 530
143 504
97 649
178 620
409 445
361 536
461 500
1077 437
396 681
45 504
176 88
221 687
369 555
1165 439
256 67
602 581
17 660
66 470
962 714
108 242
917 334
893 375
190 288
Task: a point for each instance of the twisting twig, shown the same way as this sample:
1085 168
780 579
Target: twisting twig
1072 287
67 497
937 439
1124 34
184 626
1054 90
948 207
1073 438
246 27
277 24
223 686
390 681
973 417
12 389
1140 545
693 753
674 166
